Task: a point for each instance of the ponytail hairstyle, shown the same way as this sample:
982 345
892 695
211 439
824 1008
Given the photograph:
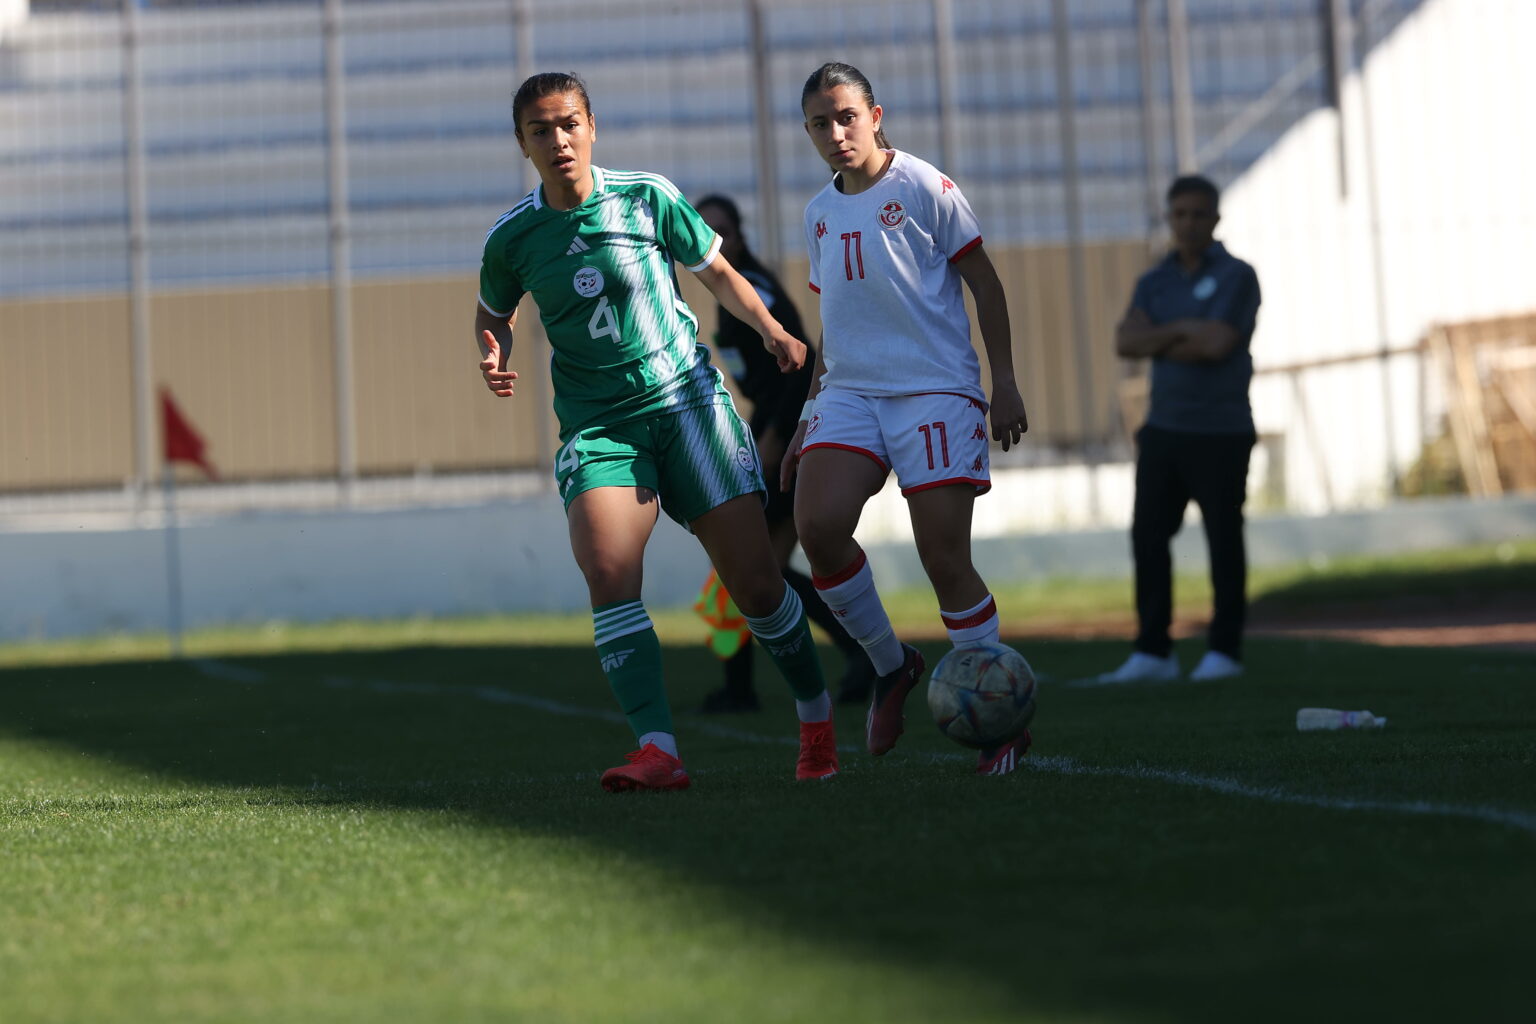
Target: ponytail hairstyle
550 83
830 76
727 206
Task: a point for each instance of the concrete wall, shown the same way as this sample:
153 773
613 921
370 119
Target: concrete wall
90 577
1430 221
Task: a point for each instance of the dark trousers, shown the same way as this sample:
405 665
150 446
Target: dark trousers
1171 468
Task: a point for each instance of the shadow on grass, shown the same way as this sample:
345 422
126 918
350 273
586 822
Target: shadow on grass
1072 895
1403 588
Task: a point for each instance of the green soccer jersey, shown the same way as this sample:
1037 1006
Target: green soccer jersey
624 344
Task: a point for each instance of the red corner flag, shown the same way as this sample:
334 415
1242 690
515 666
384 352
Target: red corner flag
182 443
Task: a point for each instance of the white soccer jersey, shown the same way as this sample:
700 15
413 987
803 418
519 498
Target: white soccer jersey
892 313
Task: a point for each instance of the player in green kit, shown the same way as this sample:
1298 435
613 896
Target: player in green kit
645 420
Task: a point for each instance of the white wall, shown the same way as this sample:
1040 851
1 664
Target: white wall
89 576
1446 101
13 12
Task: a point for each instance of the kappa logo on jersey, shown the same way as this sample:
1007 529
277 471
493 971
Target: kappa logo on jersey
614 659
821 228
744 459
946 186
578 246
979 434
892 214
588 282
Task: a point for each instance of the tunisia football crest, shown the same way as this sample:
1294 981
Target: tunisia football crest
892 214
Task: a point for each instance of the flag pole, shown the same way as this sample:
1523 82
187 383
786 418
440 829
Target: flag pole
172 560
182 443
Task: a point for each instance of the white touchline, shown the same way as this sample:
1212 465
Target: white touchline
1521 820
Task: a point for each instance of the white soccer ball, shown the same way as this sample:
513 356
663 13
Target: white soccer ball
982 696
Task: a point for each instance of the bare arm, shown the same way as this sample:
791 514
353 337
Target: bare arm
1183 341
790 464
741 300
1204 341
1009 420
494 336
1138 338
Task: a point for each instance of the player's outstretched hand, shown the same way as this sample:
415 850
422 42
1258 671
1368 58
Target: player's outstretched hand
790 464
787 349
493 368
1009 420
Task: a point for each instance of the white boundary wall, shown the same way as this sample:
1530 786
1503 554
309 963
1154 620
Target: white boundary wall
90 577
1442 223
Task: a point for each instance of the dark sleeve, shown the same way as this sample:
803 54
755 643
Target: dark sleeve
791 388
1239 307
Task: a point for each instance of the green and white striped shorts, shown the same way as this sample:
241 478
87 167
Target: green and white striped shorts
694 459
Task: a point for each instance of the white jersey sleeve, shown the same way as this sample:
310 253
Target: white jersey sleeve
955 229
813 233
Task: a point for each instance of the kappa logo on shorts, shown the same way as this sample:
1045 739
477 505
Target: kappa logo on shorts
588 282
811 427
892 214
976 466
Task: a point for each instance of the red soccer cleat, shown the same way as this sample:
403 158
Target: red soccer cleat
1004 759
885 720
650 767
818 751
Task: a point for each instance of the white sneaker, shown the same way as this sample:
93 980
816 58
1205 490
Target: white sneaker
1216 665
1141 667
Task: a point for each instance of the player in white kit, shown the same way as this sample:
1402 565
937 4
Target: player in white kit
898 387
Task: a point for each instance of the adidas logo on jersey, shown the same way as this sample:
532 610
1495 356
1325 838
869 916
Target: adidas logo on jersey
577 247
614 659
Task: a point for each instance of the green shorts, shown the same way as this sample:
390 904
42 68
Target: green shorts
694 459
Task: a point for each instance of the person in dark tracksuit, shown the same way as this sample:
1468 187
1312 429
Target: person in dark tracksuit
1193 315
777 399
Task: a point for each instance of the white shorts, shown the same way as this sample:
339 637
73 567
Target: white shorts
931 440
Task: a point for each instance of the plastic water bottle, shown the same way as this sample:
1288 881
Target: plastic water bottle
1310 719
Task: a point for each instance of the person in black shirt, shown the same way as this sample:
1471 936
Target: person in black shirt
776 402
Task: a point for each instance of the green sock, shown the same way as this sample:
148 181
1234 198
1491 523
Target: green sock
631 658
786 636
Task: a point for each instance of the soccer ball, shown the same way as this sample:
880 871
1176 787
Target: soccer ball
982 696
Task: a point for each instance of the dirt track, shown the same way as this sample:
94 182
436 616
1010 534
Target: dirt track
1510 626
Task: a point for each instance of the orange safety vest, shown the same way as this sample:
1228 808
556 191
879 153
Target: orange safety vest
728 627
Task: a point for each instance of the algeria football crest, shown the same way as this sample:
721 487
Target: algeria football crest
588 282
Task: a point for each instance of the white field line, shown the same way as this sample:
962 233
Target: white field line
1520 820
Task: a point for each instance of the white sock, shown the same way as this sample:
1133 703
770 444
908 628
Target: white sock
663 740
851 595
818 710
974 626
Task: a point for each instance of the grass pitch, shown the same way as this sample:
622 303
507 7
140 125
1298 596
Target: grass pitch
416 833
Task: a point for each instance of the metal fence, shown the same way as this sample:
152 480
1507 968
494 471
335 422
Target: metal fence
276 208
